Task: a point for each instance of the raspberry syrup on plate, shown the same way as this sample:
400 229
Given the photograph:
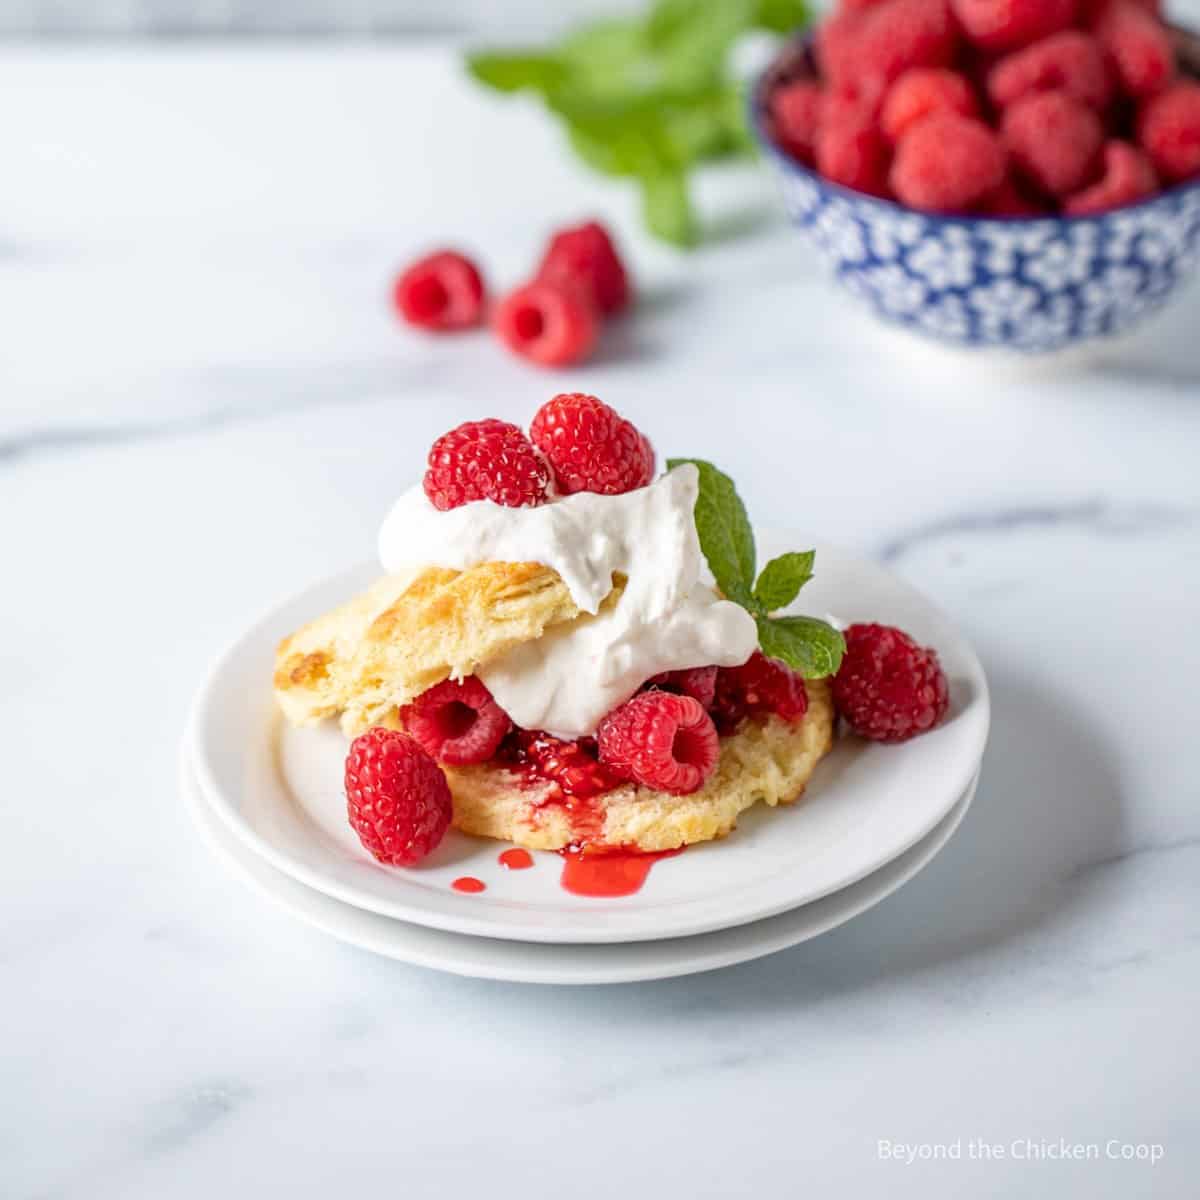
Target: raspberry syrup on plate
468 883
619 871
516 859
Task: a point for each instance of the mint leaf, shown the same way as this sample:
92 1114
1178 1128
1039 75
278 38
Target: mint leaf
782 578
667 208
812 647
780 16
724 531
518 71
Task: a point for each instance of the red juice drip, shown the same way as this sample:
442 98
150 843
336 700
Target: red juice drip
516 859
616 872
468 883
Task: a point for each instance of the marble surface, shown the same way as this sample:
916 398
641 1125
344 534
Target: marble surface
204 404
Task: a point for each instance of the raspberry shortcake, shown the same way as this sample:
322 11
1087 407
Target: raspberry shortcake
546 662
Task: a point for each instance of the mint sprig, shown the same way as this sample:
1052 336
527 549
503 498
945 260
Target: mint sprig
808 645
648 98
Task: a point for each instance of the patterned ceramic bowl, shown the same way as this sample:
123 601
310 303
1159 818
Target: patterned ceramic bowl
1028 284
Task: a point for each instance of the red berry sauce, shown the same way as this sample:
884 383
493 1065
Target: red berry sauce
619 871
468 883
516 859
573 769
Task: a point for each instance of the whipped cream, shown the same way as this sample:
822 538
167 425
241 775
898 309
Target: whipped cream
666 619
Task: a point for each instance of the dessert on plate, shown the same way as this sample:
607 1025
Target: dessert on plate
570 650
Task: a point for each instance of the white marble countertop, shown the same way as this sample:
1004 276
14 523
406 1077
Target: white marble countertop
204 404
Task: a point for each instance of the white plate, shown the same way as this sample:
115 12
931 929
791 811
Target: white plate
279 789
529 962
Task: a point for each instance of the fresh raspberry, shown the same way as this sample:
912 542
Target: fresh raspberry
760 686
1010 24
397 798
485 460
661 741
888 688
1070 61
1139 47
867 50
922 91
698 682
851 151
549 323
457 721
1054 140
1128 176
1169 130
796 117
1008 200
585 258
947 163
441 291
591 447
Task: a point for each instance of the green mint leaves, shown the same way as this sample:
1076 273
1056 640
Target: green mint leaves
810 646
648 98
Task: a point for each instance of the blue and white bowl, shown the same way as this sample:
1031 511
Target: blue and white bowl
1028 284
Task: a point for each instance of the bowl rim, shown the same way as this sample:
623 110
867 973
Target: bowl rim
757 113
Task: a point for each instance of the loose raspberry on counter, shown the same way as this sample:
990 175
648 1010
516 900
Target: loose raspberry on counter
1054 140
888 688
796 117
1070 61
1010 24
698 682
397 798
1138 45
947 163
760 686
549 323
442 291
485 460
585 258
922 91
661 741
457 722
1169 131
590 446
1128 177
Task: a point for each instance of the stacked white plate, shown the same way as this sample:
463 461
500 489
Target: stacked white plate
268 799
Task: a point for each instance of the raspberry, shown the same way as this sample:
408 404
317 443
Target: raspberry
585 258
796 117
1070 61
1128 176
1010 24
758 687
661 741
698 682
1139 46
440 291
1054 140
485 460
1009 201
867 50
457 722
397 798
1169 130
591 447
922 91
888 688
851 151
550 323
947 163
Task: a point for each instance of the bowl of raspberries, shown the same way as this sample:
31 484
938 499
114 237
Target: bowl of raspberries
1007 173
